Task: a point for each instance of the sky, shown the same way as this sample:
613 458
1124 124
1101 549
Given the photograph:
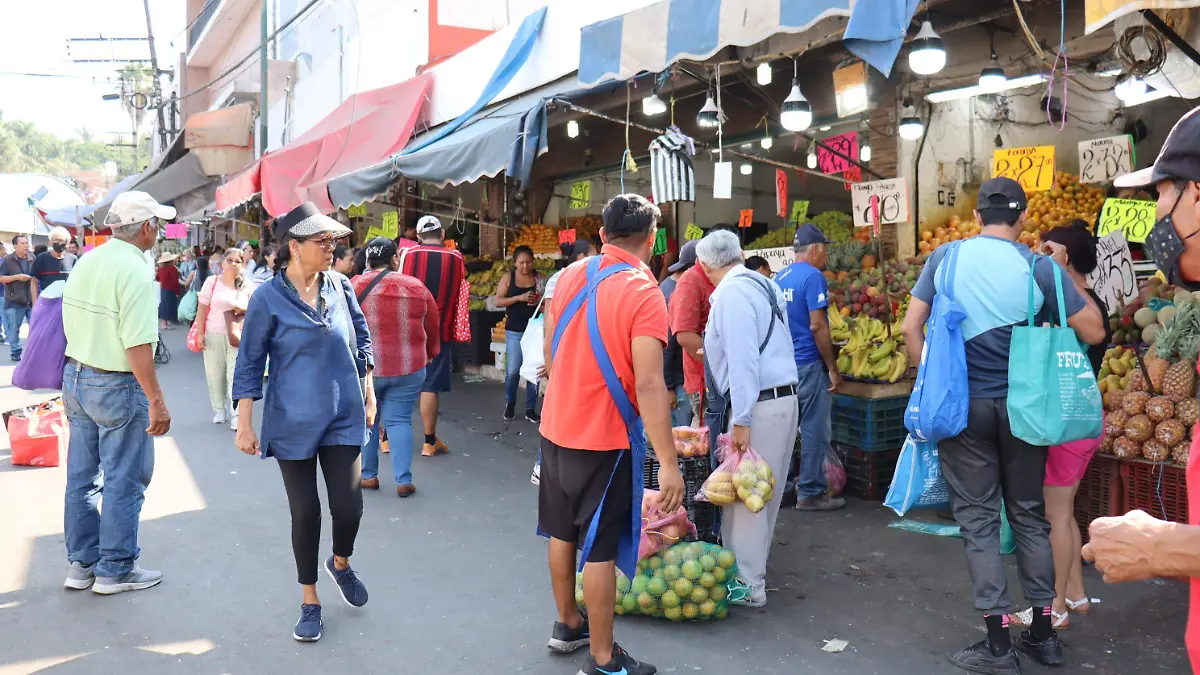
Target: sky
35 41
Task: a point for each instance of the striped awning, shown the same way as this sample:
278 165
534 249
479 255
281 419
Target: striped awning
653 37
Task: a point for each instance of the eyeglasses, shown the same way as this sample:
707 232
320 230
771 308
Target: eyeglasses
323 242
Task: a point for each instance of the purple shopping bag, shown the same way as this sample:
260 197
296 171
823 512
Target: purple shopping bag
45 352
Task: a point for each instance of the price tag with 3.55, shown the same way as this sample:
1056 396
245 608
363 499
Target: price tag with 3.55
1113 279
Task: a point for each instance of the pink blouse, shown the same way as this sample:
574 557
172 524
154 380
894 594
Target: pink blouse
220 299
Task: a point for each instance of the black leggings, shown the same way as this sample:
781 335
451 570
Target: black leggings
342 468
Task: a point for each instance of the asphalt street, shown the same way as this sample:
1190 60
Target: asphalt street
458 580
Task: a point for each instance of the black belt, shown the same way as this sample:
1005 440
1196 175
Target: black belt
94 369
777 392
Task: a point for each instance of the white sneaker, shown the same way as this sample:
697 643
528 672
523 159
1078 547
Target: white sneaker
220 418
233 423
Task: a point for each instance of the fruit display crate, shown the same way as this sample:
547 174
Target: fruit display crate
1099 493
869 424
695 471
1157 489
868 473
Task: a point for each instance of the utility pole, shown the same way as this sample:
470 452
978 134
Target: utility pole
162 127
262 94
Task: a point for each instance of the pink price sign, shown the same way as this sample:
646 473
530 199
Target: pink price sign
846 144
177 231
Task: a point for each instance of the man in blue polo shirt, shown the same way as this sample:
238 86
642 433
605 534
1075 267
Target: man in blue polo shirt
986 463
807 295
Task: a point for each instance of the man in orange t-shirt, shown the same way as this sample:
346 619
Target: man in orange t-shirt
588 446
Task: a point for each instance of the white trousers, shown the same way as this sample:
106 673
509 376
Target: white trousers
219 360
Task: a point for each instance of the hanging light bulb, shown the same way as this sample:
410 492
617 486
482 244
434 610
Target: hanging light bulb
992 78
796 113
911 126
653 105
1131 87
766 143
746 168
812 156
927 55
572 129
763 73
864 153
710 114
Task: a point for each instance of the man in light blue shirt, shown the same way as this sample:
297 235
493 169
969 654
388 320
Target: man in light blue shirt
747 350
807 295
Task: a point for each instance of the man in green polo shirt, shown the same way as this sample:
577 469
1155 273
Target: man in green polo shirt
111 322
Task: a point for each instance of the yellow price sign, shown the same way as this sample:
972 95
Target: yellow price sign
390 225
1132 217
693 232
581 195
357 211
799 212
373 232
1032 167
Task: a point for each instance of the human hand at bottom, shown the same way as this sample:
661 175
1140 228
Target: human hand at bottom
1126 548
740 438
670 488
246 440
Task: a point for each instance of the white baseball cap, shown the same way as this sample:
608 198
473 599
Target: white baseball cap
136 207
428 224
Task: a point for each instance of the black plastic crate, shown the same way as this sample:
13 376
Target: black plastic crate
869 424
868 474
695 471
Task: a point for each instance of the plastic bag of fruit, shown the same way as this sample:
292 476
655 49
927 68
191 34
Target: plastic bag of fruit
691 441
661 531
686 582
744 477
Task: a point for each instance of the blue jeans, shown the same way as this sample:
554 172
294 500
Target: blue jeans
681 414
512 376
110 454
13 316
396 397
815 428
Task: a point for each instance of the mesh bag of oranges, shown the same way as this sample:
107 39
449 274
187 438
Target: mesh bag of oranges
744 477
687 582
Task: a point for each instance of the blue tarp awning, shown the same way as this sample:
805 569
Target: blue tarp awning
506 137
653 37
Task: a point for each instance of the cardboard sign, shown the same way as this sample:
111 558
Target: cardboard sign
177 231
660 241
778 258
799 211
566 236
693 232
1102 160
781 193
1032 167
1134 218
846 143
892 202
357 211
1113 278
390 225
581 195
723 180
745 218
373 232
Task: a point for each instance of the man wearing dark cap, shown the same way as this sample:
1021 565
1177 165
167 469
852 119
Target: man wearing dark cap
807 294
607 327
682 413
986 465
1136 546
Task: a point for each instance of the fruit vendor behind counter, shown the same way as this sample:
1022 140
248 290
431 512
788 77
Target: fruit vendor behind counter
1137 546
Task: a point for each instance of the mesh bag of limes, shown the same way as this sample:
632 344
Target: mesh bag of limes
687 582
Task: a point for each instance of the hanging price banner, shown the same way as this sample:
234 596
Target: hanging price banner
357 211
745 218
781 193
581 195
693 232
853 175
373 232
1033 167
390 225
566 236
1133 217
660 241
1102 160
846 144
1113 278
892 202
177 231
799 212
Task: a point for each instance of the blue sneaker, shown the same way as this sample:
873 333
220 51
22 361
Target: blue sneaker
308 628
352 588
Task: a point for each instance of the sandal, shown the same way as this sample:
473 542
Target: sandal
1083 606
1024 619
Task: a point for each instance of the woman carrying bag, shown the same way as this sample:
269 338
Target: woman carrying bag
222 302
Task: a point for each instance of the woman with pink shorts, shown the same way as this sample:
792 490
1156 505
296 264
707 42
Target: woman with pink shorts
1066 463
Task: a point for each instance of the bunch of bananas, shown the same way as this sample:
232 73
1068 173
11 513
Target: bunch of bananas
871 350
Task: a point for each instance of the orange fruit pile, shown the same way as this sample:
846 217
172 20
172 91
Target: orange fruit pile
540 238
1063 203
955 228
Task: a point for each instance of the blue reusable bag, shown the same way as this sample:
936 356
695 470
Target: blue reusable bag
1053 396
918 481
940 400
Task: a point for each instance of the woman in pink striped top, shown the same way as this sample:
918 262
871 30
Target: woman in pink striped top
403 318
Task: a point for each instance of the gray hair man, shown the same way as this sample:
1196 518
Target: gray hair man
113 399
53 265
748 351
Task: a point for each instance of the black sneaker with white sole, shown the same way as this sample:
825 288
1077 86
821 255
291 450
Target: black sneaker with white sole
510 411
620 664
565 640
1048 652
532 416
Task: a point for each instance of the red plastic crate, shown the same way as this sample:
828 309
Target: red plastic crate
1157 489
868 474
1100 492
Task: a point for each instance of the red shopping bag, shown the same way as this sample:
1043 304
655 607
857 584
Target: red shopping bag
462 315
193 339
38 436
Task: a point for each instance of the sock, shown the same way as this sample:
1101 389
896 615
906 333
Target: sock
430 439
1042 626
998 638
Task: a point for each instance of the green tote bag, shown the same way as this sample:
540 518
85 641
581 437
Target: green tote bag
1053 396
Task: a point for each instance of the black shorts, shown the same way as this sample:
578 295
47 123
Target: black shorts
572 485
437 373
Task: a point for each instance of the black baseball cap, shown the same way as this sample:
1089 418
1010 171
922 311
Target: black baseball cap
807 235
1179 157
687 257
1001 194
381 249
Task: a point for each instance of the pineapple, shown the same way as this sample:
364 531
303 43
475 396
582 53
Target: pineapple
1180 452
1155 451
1157 367
1160 408
1113 398
1180 379
1179 343
1126 448
1170 433
1106 445
1137 381
1139 428
1187 411
1114 423
1134 402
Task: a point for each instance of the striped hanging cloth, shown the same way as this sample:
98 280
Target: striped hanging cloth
672 176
